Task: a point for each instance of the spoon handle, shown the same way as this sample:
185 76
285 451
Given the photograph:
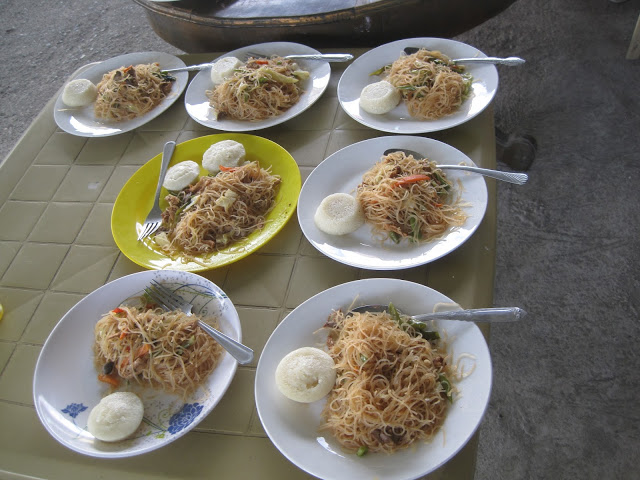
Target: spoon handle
511 177
241 353
511 61
327 57
190 68
501 314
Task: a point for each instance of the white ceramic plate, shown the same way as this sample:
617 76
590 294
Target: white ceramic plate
197 103
342 172
82 121
66 388
293 427
358 75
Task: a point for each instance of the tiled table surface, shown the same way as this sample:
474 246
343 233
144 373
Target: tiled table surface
56 196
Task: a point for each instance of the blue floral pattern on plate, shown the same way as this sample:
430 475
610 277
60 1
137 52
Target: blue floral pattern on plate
184 417
74 409
178 421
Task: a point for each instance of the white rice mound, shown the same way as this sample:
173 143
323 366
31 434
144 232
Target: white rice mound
306 375
379 98
228 153
339 214
223 69
181 175
116 417
79 93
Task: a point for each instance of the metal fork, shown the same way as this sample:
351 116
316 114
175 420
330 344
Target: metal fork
169 300
154 219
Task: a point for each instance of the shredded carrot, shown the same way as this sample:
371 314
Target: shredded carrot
262 62
125 360
109 379
226 169
123 333
411 179
143 350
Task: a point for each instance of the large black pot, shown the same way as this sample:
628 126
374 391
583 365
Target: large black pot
205 26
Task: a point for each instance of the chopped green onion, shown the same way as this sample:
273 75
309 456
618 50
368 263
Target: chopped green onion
430 335
165 76
444 381
415 229
394 237
301 74
362 451
441 180
277 77
395 314
379 71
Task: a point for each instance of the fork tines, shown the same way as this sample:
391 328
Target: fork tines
148 229
163 296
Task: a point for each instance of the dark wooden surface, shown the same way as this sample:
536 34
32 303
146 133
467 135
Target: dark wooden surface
197 26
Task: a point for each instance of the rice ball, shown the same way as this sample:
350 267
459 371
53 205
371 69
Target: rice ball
79 93
223 69
227 153
306 374
380 97
181 175
116 417
339 214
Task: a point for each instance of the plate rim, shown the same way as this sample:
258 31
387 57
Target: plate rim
249 126
294 183
90 69
365 284
137 277
423 126
304 223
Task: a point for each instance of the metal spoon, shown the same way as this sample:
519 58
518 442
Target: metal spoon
326 57
492 315
511 177
511 61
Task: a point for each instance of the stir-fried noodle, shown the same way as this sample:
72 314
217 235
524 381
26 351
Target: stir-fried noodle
407 198
217 211
392 386
166 350
128 92
259 89
430 84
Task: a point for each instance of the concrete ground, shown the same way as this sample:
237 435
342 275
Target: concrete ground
567 379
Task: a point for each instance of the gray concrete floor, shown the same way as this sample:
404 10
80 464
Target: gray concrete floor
566 380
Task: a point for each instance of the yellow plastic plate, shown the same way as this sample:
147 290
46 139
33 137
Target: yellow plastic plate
136 198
